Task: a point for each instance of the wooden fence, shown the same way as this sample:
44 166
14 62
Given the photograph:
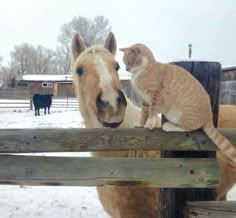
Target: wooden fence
27 103
15 94
228 92
91 171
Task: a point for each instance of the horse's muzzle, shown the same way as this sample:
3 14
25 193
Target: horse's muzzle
111 125
110 113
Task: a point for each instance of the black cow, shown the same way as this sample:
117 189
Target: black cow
42 101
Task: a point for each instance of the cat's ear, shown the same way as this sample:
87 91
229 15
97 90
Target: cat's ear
135 50
110 43
123 49
77 46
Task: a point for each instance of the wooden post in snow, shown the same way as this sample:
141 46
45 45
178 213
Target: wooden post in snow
31 102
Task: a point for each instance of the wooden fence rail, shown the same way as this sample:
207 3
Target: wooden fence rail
17 168
167 172
104 139
210 209
82 171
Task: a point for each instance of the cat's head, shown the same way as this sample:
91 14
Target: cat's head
136 57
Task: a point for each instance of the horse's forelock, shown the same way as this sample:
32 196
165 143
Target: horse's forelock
93 50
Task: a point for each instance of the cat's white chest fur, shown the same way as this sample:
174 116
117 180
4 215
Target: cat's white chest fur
136 71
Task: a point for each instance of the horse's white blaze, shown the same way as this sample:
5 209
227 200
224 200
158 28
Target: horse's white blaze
108 93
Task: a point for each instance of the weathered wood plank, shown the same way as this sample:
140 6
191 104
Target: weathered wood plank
228 92
149 172
74 140
211 209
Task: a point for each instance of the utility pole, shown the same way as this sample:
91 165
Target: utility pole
189 50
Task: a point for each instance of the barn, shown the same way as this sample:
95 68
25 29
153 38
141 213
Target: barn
58 85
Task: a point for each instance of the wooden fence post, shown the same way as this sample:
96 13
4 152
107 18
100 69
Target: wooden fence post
31 102
172 201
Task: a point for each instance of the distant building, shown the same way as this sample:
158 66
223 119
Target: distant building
58 85
228 73
228 85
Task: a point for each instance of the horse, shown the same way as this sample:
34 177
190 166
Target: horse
227 119
102 103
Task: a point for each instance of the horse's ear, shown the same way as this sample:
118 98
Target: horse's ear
110 43
78 46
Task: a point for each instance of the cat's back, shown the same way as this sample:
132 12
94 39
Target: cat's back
177 78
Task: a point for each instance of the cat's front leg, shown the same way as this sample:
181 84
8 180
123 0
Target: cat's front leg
154 108
143 117
152 122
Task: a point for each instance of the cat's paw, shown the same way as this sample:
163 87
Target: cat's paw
151 123
138 125
166 127
171 127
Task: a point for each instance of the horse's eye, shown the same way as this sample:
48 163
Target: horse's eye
117 67
80 71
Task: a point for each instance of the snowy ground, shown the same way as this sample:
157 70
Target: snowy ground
47 202
50 202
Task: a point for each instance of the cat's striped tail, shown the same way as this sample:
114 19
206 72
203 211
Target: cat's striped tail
223 143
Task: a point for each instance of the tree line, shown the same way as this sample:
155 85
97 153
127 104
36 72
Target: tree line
28 59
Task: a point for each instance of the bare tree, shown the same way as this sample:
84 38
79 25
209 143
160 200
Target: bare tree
22 57
1 73
44 58
93 31
7 77
26 59
63 59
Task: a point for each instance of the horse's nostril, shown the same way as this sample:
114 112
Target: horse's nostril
121 100
100 103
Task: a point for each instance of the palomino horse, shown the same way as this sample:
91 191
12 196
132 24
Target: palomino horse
227 119
103 104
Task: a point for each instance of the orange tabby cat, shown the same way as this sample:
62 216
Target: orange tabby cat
174 92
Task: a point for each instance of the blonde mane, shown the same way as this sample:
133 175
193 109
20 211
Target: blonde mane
93 50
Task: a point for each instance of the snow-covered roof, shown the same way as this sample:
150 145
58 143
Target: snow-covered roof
230 67
65 77
39 77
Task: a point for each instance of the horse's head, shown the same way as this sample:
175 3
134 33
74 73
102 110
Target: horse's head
97 83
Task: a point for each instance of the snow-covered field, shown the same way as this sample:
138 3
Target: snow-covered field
47 202
50 202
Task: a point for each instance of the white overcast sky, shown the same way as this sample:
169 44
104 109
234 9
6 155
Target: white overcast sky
166 26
